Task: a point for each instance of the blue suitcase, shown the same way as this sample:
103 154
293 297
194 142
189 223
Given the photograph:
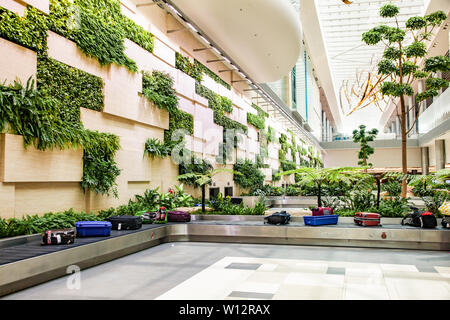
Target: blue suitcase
320 220
93 228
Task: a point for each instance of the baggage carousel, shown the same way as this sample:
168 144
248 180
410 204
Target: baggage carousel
24 262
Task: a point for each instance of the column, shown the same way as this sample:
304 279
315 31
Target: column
425 160
440 154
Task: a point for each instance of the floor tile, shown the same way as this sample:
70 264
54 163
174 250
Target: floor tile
243 266
250 295
365 292
311 279
305 292
419 289
426 269
335 270
398 267
267 277
254 286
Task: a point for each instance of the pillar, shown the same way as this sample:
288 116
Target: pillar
425 160
440 154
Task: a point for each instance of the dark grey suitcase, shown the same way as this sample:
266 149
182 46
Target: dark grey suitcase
125 222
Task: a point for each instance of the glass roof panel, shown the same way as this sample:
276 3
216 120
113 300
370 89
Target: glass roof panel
342 28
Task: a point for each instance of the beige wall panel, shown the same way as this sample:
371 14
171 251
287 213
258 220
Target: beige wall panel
131 133
164 52
121 92
185 86
39 198
21 68
137 188
7 200
382 158
147 61
150 114
32 165
66 51
96 202
14 6
164 174
41 5
186 105
134 166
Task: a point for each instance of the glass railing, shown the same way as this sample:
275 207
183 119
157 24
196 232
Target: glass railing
436 113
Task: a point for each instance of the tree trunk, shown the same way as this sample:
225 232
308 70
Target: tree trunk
203 197
403 126
378 192
404 149
319 195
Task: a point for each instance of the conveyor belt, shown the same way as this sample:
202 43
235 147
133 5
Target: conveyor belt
33 247
26 264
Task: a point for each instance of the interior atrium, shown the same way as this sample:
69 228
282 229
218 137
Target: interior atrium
203 122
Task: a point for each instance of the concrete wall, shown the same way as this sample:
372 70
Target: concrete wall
35 182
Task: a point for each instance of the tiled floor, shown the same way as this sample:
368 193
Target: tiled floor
192 270
260 278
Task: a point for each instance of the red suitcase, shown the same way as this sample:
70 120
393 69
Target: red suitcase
367 219
322 211
179 216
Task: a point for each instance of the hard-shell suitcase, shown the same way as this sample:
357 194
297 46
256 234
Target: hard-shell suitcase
322 211
179 216
93 228
125 222
367 219
320 220
61 236
278 218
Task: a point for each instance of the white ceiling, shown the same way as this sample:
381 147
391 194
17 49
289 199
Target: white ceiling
261 36
342 28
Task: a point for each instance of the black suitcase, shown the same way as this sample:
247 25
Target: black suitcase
278 218
62 236
125 222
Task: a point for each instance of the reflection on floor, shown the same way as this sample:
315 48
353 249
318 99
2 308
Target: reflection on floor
259 278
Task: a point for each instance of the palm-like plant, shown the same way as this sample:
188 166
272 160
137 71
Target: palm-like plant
203 179
322 176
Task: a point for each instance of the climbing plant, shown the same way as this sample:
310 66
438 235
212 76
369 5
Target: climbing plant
158 88
29 31
73 88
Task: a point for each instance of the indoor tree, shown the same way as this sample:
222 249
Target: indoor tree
323 176
363 137
404 61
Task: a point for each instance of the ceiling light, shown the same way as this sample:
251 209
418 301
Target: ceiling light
190 26
173 9
217 51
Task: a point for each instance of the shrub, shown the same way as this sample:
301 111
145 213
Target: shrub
250 177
